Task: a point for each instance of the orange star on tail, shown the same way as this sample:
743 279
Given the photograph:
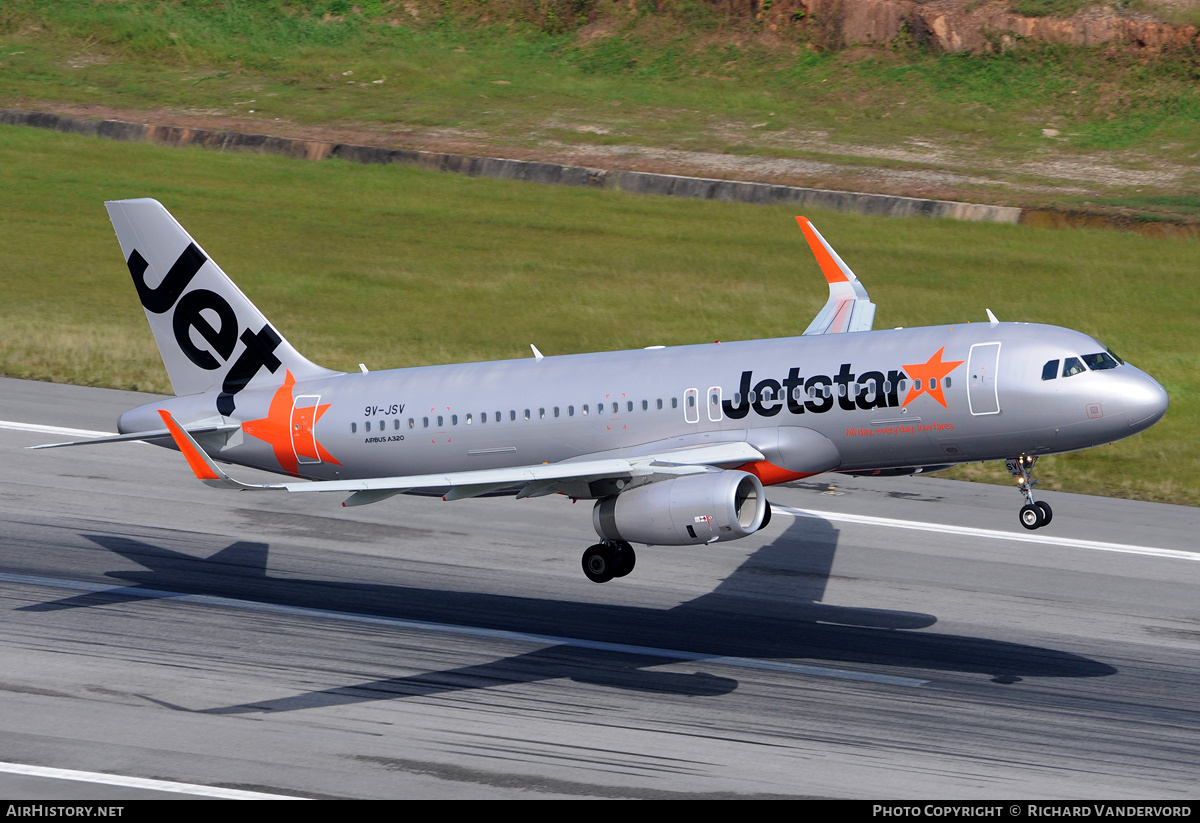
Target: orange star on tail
277 429
922 373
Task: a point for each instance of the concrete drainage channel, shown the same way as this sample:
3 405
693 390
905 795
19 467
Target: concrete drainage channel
669 185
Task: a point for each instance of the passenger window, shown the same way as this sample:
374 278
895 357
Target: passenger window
585 409
630 405
1050 370
946 383
454 420
932 383
527 414
541 414
440 424
556 411
1071 366
570 411
645 405
353 428
396 424
614 408
499 417
468 420
660 403
368 425
512 414
425 422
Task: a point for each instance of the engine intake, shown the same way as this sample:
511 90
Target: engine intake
697 508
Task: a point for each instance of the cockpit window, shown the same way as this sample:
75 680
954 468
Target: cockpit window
1100 361
1072 366
1050 370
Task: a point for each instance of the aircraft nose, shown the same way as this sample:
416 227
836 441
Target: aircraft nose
1144 401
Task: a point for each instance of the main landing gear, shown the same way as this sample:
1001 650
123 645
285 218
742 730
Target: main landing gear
611 558
1034 514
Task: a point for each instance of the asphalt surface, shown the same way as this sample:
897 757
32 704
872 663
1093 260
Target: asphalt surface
911 641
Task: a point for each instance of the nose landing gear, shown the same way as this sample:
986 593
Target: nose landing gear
611 558
1034 514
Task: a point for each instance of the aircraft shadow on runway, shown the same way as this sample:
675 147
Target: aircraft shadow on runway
768 608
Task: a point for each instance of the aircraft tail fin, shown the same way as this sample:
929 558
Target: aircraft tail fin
849 307
211 337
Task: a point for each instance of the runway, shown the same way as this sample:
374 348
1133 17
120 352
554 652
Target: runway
896 638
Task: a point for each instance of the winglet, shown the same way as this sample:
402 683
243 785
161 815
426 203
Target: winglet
201 464
849 307
832 266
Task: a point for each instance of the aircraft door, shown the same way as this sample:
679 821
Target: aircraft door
304 421
691 408
714 404
983 394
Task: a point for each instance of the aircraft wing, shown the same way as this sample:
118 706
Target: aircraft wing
849 307
531 481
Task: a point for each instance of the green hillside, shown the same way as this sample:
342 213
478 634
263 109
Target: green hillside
693 85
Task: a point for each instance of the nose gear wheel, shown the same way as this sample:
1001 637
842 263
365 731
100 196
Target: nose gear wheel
1034 514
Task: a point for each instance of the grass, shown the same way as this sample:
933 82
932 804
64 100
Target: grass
688 77
1151 205
394 266
1050 8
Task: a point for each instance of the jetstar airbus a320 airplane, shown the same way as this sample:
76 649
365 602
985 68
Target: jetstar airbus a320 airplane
674 445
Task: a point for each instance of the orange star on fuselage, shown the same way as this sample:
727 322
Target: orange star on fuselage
922 373
290 434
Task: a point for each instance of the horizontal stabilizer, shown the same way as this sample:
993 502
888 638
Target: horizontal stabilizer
223 428
849 308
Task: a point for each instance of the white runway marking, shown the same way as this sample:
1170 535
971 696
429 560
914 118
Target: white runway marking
464 631
34 427
993 534
138 783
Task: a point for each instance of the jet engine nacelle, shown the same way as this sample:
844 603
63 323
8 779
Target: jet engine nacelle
697 508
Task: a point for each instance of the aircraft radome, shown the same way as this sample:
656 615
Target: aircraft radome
674 445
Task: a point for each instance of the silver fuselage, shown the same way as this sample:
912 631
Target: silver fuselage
531 411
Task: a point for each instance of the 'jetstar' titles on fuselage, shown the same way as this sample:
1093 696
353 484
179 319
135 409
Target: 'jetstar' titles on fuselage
769 397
